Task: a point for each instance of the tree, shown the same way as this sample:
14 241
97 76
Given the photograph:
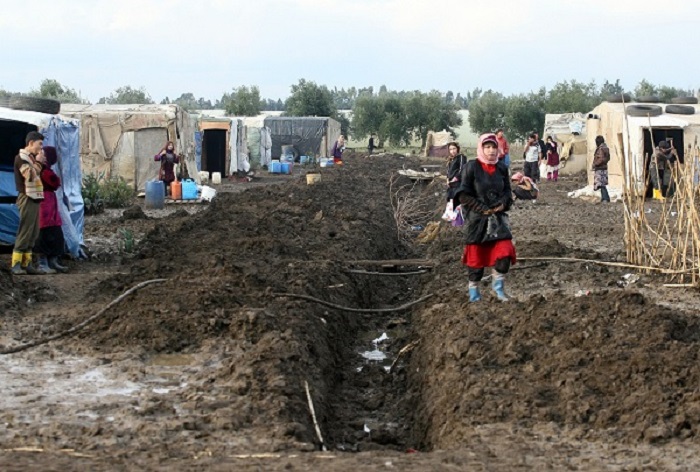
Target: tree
50 88
127 95
572 97
186 101
487 112
243 101
608 89
524 114
309 99
645 89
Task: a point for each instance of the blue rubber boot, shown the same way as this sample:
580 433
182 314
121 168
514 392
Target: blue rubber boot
474 295
498 287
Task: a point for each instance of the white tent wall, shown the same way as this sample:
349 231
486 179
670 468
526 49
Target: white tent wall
627 133
145 140
233 147
124 160
265 146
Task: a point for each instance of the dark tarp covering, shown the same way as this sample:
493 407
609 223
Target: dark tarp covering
304 133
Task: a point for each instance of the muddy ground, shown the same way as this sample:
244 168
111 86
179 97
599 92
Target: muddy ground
207 370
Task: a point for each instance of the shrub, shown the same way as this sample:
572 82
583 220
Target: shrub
100 193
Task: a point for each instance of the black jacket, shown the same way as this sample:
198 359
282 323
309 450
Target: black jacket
479 192
454 170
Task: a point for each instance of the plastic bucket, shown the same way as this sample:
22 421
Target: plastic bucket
208 193
275 167
303 160
313 179
216 178
155 194
176 190
285 168
204 176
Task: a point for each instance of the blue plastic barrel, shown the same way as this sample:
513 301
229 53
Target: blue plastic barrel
155 194
285 168
275 167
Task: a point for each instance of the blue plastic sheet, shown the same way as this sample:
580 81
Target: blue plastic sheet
65 137
198 149
9 214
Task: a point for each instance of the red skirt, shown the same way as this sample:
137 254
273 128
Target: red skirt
478 256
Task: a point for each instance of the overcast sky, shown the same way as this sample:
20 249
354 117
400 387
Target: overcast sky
208 47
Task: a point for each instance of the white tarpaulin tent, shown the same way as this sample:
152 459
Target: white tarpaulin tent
636 136
121 140
569 131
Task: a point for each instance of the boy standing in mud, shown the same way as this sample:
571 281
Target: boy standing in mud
30 193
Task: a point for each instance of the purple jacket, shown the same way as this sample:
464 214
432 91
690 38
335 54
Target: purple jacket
48 209
167 166
337 152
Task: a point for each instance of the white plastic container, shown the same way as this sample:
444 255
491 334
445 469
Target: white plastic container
208 193
204 176
216 178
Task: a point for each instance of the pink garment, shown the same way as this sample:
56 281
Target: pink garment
48 209
503 147
480 155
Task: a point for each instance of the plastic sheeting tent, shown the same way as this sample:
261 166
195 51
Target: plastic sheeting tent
121 140
309 135
63 134
569 131
436 143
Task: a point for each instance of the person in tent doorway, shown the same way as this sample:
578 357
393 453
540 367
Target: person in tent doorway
503 148
601 157
371 144
30 193
552 159
167 158
485 196
524 188
50 245
660 169
337 151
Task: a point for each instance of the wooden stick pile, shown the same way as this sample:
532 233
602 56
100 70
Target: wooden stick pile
414 204
666 235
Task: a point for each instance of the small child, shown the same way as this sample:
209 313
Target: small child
524 188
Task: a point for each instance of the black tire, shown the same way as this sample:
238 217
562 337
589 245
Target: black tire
680 109
649 99
618 97
42 105
644 110
685 100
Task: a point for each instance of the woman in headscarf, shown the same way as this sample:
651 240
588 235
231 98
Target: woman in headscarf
168 159
485 196
337 151
524 188
552 159
50 245
455 163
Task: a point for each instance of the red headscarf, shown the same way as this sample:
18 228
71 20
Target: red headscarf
480 155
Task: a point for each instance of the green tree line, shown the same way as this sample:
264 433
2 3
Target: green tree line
397 117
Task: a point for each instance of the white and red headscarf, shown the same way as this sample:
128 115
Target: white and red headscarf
480 155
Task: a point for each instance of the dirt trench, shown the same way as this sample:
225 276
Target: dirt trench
208 369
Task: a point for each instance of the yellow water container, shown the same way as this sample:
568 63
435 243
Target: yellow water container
313 178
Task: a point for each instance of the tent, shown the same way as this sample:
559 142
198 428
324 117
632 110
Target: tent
569 130
436 143
310 135
63 134
634 138
121 140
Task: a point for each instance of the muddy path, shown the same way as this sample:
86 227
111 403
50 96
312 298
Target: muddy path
207 370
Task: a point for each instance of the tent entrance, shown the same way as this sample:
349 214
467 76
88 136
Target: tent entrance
650 143
214 151
12 136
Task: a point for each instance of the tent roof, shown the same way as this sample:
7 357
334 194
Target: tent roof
663 120
40 120
99 109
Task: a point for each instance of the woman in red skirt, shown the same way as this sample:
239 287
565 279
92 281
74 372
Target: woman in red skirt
485 196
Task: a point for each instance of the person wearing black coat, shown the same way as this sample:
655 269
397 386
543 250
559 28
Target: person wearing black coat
456 162
485 195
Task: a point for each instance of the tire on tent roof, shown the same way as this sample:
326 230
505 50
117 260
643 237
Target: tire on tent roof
618 98
649 99
680 109
644 110
685 100
42 105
